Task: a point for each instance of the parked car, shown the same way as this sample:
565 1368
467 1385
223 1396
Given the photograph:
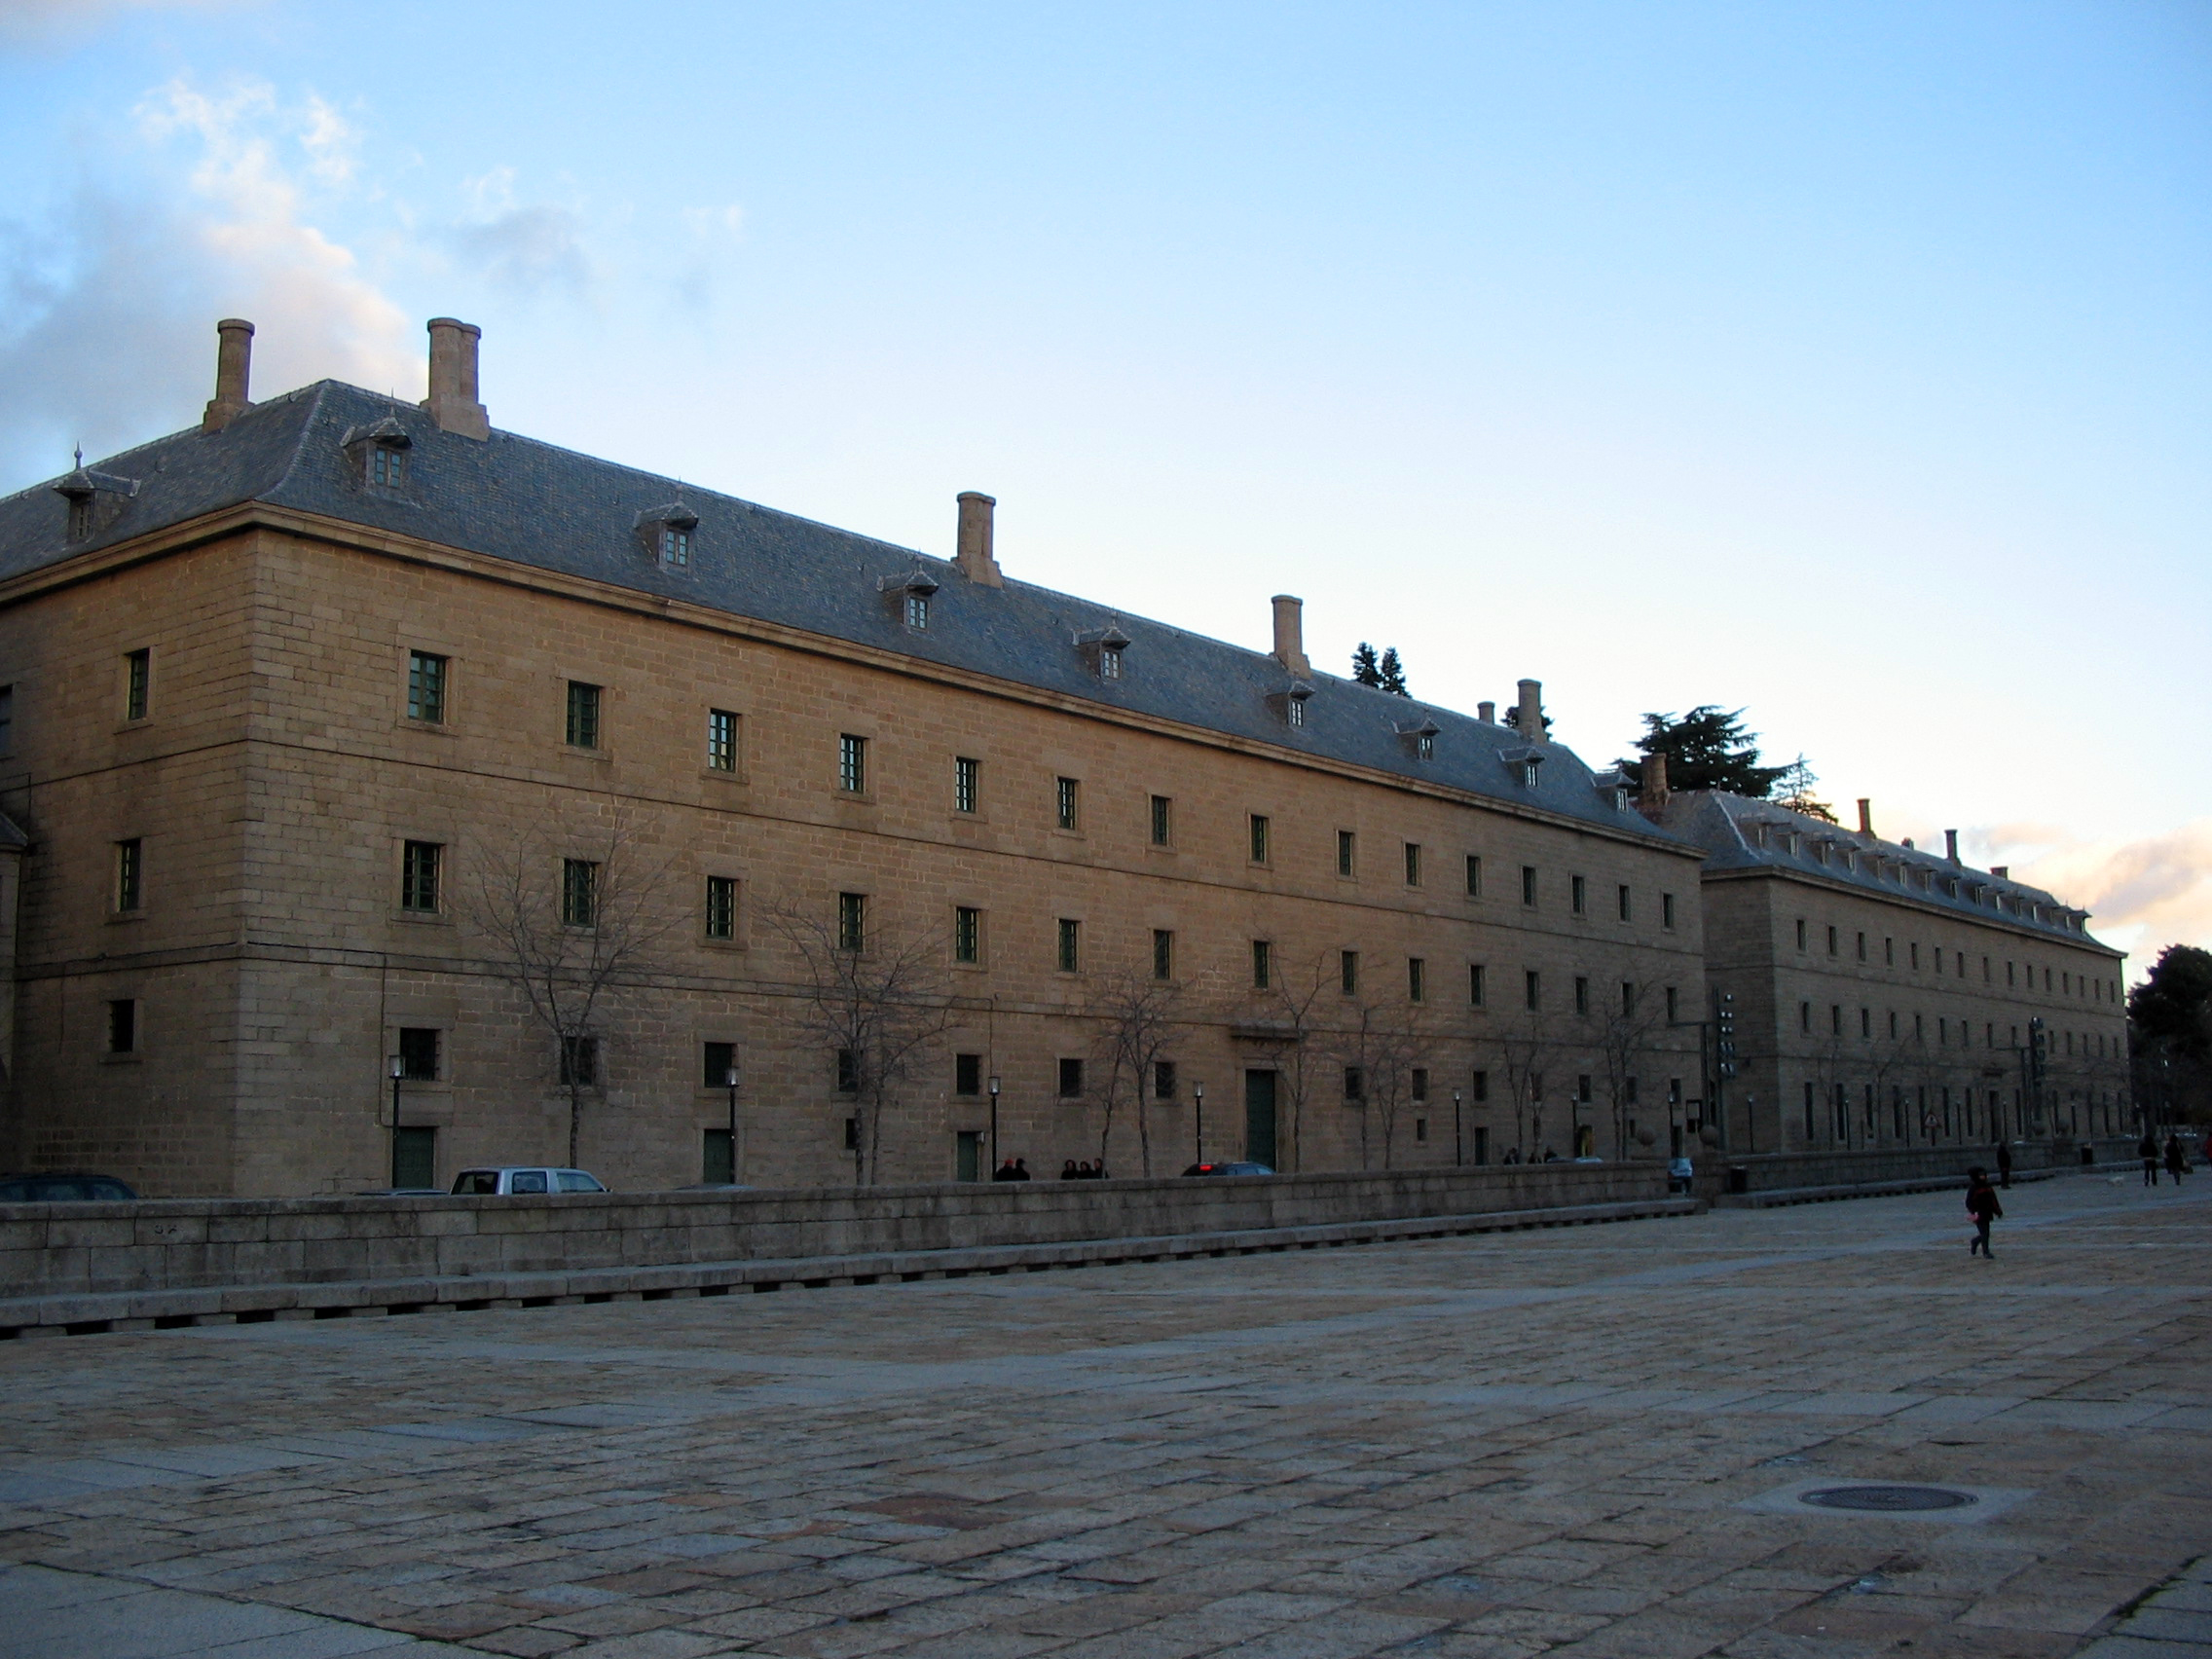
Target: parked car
61 1187
518 1179
1229 1169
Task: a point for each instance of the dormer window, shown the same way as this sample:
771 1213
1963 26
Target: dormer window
1615 787
910 595
1289 704
1109 662
1103 650
379 452
1295 713
95 500
917 611
388 465
1420 738
665 535
1526 764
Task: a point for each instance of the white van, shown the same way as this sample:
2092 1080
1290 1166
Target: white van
519 1179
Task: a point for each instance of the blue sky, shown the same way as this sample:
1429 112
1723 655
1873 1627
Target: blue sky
1851 363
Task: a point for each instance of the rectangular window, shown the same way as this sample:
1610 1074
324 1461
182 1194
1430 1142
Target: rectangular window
1673 996
1889 953
1476 989
1836 1019
1805 1018
123 1026
721 741
1071 946
1068 803
1861 947
419 873
130 874
1474 875
1667 910
1582 1088
1347 971
1420 1084
7 719
1070 1079
583 714
1162 820
1915 950
1622 899
425 688
1865 1022
579 1060
849 1083
721 906
1532 989
1578 895
1628 999
418 1053
1416 980
1163 953
1582 994
852 763
388 467
1262 965
1355 1083
1259 846
718 1061
1478 1087
138 684
852 921
1163 1080
1800 933
967 933
917 611
1529 885
1348 852
967 782
580 893
968 1074
1413 864
1831 941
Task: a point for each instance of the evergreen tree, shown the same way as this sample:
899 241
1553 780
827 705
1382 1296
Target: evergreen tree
1393 673
1794 789
1365 669
1706 749
2173 1004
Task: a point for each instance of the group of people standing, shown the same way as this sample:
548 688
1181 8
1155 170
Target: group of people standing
2176 1157
1017 1170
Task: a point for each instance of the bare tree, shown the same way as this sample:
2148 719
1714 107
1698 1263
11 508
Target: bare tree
873 997
572 912
1135 1019
1383 1044
1623 1040
1288 1016
1523 1047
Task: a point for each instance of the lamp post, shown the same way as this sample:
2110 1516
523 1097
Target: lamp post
1198 1123
994 1125
729 1082
398 1070
1458 1143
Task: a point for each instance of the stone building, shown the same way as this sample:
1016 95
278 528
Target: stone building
1884 996
325 719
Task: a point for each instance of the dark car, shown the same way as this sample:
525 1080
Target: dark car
61 1187
1229 1169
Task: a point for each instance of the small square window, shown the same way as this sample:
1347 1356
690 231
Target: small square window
852 921
388 467
130 874
1070 1079
580 893
1163 820
418 1053
721 906
1413 864
1163 953
420 865
583 714
968 1074
966 935
721 741
917 611
1347 971
967 783
123 1026
675 545
137 684
1067 803
1071 946
425 688
1262 965
717 1065
1259 839
852 763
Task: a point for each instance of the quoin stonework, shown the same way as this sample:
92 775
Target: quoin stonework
321 716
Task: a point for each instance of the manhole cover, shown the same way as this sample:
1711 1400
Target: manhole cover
1887 1499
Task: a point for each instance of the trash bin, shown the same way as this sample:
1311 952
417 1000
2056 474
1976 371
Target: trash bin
1739 1178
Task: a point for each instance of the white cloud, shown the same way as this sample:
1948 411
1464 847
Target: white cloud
2144 892
207 211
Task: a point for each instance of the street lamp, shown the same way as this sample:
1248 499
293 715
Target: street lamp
994 1125
1199 1094
729 1082
1458 1145
398 1071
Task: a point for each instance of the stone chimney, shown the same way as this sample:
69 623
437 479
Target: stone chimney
1652 797
973 557
1532 711
1866 816
2002 872
233 366
1951 845
1487 713
452 402
1290 634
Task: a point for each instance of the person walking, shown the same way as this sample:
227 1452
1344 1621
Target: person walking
2147 1149
2004 1164
1983 1207
2177 1160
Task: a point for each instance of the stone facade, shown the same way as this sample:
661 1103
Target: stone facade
227 694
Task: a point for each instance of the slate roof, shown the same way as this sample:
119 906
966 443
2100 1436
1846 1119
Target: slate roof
1727 827
513 497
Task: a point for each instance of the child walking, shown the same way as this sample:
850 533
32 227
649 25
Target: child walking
1983 1207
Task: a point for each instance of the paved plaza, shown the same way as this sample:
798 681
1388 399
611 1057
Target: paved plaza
1586 1441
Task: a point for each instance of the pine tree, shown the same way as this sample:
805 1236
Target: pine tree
1393 673
1706 749
1365 669
1794 789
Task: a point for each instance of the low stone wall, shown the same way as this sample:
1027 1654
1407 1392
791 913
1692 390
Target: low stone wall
50 1250
1883 1168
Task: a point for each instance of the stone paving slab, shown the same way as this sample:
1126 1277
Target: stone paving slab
1496 1446
76 1615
